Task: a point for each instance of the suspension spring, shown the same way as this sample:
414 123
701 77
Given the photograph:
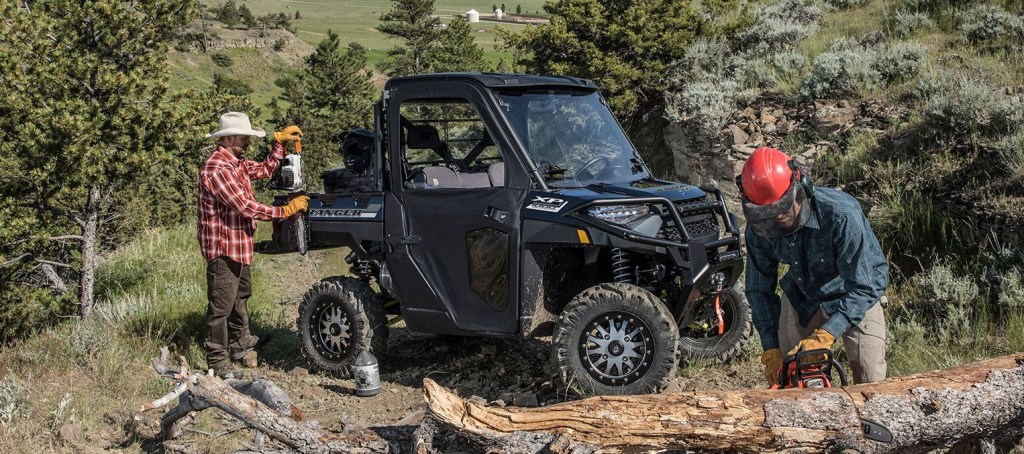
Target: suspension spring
364 268
621 269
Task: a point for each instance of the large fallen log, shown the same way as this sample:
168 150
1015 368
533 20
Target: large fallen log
982 400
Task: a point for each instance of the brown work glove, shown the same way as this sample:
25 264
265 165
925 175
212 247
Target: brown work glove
288 135
772 360
819 339
296 205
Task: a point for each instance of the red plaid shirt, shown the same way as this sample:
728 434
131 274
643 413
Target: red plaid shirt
228 210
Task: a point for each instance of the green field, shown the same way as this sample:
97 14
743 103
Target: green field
357 21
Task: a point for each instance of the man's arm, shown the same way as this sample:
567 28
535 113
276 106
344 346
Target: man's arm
261 170
864 270
223 185
762 280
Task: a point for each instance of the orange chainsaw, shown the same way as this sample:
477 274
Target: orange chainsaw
810 369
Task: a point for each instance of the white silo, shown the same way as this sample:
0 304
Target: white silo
497 14
472 16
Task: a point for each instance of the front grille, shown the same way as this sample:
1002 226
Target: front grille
698 217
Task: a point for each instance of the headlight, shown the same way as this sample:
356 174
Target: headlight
619 214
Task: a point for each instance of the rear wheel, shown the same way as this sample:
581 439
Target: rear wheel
616 339
339 317
698 330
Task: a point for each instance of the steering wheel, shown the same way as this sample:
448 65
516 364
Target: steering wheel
590 163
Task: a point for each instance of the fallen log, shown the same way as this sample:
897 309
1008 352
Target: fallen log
258 403
982 401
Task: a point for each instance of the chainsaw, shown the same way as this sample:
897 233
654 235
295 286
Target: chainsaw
810 369
290 177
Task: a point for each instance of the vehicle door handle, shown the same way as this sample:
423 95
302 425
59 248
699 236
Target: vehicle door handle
497 214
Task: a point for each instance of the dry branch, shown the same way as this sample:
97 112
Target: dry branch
983 400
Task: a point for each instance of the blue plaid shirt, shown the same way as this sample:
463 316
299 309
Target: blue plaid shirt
835 263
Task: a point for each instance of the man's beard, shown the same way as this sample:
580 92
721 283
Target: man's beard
238 151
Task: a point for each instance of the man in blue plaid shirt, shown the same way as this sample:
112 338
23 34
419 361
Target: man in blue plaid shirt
837 272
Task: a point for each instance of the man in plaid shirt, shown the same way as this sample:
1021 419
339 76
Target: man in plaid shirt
837 272
227 216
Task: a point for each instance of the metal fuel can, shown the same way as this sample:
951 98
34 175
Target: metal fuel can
367 375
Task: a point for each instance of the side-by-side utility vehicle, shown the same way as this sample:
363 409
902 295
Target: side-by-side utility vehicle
515 205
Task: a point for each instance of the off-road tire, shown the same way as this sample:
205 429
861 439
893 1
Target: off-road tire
629 304
363 315
722 348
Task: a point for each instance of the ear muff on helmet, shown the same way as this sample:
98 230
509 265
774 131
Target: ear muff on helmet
802 177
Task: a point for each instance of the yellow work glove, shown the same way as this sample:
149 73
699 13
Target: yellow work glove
819 339
288 135
296 205
772 360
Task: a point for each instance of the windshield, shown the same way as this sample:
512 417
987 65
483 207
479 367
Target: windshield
572 137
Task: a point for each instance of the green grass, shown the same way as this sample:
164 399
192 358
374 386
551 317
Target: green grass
851 23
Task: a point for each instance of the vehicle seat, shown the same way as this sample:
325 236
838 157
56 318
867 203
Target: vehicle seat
496 173
475 180
434 177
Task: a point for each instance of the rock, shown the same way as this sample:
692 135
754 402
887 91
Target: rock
739 136
506 398
250 359
767 118
525 400
832 119
756 139
298 372
71 434
488 349
744 150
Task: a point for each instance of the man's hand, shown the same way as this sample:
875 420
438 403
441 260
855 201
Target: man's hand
819 339
296 205
288 135
772 360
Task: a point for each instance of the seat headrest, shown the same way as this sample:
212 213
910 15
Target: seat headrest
421 137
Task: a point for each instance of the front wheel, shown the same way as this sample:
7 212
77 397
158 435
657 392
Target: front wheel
339 317
699 330
616 338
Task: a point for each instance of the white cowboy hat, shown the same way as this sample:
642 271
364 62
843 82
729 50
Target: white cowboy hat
236 124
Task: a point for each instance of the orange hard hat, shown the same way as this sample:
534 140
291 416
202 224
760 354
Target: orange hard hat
766 176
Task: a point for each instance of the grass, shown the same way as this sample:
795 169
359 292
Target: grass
95 373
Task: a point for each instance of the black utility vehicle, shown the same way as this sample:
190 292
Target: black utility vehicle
514 205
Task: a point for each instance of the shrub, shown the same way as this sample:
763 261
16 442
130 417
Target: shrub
848 68
902 23
13 397
781 25
227 85
846 4
949 298
279 45
705 105
222 60
988 23
87 339
962 108
1011 152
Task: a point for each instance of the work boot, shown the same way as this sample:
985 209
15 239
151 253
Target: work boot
248 344
227 372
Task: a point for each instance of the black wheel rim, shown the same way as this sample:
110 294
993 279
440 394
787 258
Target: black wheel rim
703 330
616 348
330 328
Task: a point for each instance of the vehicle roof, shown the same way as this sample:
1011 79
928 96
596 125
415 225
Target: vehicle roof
496 80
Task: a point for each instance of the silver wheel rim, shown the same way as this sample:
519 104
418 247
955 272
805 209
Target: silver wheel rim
616 348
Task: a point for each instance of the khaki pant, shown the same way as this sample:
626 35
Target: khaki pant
864 343
228 286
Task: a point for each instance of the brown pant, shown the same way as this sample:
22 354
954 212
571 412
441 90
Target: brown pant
228 286
864 343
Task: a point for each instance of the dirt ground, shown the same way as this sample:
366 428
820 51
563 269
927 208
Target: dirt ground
491 370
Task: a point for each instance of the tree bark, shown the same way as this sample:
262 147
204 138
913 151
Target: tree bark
983 400
90 231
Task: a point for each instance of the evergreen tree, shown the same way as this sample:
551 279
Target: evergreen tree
617 44
333 94
412 21
297 15
519 9
228 13
88 132
456 50
246 17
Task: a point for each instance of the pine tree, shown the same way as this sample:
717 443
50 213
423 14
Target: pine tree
456 50
88 133
519 9
412 21
246 17
334 93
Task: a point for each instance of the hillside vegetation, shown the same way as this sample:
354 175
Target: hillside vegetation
932 144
